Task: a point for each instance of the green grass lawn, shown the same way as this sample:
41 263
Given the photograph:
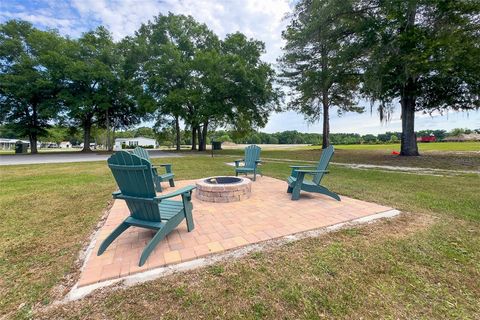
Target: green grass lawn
436 146
425 264
437 160
45 150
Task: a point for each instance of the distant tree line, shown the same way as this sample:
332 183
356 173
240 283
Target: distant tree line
295 137
167 137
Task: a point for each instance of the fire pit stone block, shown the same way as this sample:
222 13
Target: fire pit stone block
227 189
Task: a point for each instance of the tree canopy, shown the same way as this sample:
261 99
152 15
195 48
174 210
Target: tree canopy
31 68
173 70
204 81
321 59
98 89
424 53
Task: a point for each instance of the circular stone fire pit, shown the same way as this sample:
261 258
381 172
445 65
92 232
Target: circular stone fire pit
223 189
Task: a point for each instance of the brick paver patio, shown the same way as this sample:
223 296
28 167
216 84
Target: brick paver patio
268 214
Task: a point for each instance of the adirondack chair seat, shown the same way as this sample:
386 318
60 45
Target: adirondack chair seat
166 176
147 210
292 180
158 178
244 169
297 182
251 162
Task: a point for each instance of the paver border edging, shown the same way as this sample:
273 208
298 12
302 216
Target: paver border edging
77 293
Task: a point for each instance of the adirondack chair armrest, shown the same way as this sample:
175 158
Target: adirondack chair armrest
296 168
167 166
181 191
119 195
312 171
302 167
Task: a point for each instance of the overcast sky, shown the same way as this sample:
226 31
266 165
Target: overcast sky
261 19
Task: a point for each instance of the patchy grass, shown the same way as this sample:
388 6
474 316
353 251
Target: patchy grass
438 160
395 269
48 211
435 146
418 266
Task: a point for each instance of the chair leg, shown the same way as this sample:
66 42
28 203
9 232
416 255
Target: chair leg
325 191
296 192
189 219
236 173
187 208
289 189
152 244
158 185
172 183
254 175
112 236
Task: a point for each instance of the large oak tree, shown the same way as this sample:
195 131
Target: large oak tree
100 89
202 80
321 59
424 53
31 73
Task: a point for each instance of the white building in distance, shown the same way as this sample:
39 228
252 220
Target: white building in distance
65 145
135 142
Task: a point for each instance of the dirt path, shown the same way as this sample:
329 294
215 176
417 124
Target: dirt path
362 166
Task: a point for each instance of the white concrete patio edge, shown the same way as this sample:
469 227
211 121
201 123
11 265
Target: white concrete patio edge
80 292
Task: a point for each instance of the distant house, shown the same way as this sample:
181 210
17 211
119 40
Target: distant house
65 145
430 138
93 145
49 144
134 142
464 137
9 144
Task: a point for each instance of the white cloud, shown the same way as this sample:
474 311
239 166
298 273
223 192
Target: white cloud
259 19
262 20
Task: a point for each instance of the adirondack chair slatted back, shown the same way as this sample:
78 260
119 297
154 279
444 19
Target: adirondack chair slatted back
252 154
133 175
327 155
142 153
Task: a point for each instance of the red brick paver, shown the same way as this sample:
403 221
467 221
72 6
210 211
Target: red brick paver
267 214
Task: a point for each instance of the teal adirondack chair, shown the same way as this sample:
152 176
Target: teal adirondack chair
251 160
297 181
158 178
147 210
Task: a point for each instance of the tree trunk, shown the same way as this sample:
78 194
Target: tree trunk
408 99
87 126
204 136
409 139
177 133
200 139
326 122
32 137
108 130
112 139
33 133
194 137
